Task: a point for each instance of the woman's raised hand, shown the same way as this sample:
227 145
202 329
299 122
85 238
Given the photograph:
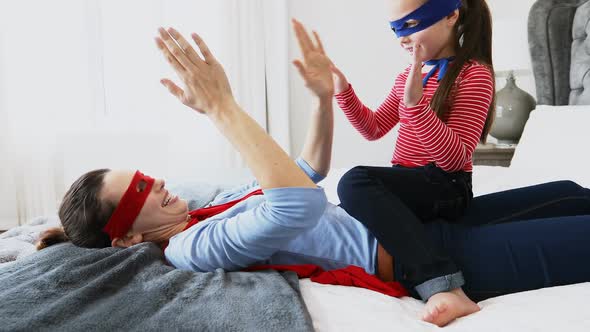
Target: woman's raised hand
207 88
316 69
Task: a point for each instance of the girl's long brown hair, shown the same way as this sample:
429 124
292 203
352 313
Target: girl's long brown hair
473 32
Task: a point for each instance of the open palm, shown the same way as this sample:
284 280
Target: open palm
316 68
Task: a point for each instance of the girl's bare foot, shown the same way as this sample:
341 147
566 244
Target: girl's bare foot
443 308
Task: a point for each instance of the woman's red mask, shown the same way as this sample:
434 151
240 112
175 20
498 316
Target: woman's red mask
130 205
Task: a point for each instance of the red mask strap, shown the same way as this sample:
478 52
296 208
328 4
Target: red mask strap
130 205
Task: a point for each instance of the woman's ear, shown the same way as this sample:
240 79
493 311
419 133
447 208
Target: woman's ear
127 241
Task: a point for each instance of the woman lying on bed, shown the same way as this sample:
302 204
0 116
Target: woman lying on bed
284 217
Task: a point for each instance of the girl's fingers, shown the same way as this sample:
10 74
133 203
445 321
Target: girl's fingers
186 47
337 71
300 68
418 50
305 42
173 88
180 70
209 58
319 42
174 49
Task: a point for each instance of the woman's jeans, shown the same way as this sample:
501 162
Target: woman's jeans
518 256
429 257
532 237
395 202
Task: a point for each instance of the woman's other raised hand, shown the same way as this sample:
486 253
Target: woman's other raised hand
206 87
316 69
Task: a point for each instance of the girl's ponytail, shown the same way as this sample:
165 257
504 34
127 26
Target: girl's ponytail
473 32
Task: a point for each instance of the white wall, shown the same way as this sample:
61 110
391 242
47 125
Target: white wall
358 39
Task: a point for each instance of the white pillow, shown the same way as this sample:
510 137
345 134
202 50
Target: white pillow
554 146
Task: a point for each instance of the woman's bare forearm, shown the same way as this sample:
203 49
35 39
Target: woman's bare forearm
271 166
317 150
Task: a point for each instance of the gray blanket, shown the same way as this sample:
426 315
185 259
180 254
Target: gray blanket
67 288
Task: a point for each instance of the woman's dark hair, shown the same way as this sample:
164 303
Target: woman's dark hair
83 215
473 32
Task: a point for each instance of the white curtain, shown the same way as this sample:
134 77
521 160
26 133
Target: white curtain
276 45
45 88
79 90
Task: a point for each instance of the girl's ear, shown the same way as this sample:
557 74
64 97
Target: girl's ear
453 17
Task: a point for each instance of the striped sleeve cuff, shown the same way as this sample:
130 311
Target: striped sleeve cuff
422 106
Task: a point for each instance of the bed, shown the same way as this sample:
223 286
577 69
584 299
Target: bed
561 67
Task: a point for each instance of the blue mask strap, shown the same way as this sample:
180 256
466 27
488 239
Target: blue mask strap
441 64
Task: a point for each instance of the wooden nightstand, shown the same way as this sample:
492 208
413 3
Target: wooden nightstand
493 155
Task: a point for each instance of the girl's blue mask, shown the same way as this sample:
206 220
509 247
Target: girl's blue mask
426 15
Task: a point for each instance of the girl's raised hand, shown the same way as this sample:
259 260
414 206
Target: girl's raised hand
340 81
316 68
418 56
413 90
207 88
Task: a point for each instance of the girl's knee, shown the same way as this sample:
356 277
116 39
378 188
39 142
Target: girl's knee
350 182
573 188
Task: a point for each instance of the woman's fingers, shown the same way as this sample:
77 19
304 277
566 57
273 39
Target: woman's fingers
209 58
186 47
180 70
300 68
175 50
173 88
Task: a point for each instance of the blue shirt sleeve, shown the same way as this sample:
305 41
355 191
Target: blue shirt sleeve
313 175
249 236
235 193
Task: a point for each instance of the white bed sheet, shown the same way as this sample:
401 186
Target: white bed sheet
340 308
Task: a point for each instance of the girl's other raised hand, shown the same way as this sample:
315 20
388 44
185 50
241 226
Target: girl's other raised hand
340 82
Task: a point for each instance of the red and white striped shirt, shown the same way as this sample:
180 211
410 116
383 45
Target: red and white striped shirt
423 137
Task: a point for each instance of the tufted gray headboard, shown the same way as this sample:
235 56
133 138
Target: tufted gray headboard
560 51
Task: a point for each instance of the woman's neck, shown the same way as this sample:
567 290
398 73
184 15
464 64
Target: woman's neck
164 234
177 229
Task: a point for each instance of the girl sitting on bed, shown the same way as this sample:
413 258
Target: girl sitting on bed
284 217
443 114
